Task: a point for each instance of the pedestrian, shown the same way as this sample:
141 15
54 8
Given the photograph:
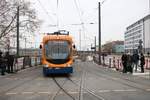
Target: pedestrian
142 60
10 61
135 59
2 64
103 57
129 63
124 62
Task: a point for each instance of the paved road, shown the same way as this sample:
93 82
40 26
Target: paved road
88 82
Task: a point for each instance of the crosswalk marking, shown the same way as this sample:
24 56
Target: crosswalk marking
147 89
9 93
74 92
146 73
44 92
27 92
103 91
128 90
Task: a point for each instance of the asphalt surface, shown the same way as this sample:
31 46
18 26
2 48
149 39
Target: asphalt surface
88 82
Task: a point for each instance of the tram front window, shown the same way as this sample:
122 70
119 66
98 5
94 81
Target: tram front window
57 51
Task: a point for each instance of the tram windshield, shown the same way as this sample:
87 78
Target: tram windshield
57 50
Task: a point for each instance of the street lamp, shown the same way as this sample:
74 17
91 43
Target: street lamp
99 14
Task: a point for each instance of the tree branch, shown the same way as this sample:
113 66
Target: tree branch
3 33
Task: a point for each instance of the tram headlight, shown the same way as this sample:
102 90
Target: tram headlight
46 65
68 65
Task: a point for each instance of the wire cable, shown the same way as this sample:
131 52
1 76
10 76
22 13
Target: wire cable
46 12
57 14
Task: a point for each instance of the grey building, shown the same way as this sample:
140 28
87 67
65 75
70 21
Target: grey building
138 31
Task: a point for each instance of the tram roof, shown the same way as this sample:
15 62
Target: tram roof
57 37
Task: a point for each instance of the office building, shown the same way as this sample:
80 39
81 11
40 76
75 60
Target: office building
138 31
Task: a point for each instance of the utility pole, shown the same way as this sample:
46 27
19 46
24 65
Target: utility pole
95 44
17 31
99 14
80 38
91 48
25 45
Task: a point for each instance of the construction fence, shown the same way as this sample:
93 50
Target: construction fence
115 62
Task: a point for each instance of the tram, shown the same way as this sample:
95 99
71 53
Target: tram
57 53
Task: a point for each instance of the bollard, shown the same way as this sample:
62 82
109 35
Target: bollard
114 62
149 64
117 67
35 61
146 64
15 65
24 62
109 62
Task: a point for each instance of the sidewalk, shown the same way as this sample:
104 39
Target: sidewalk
19 71
146 73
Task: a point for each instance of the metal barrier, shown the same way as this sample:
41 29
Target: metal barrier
25 62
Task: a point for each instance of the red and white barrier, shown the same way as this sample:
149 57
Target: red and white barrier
115 62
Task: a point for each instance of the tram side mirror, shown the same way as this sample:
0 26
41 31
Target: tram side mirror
40 46
74 46
148 53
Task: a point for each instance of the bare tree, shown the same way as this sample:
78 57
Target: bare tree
8 13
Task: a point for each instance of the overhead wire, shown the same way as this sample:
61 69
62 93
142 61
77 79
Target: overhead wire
80 16
79 13
46 12
86 37
57 14
78 9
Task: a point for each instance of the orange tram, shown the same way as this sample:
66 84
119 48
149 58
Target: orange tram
57 53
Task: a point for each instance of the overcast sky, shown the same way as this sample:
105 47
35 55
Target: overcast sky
116 16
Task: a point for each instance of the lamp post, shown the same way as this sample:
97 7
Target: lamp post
25 45
17 31
99 13
95 45
80 39
149 33
99 18
99 50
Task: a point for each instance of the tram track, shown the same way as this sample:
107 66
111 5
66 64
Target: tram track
61 88
82 89
80 92
85 90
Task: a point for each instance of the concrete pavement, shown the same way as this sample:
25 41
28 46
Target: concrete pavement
88 82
